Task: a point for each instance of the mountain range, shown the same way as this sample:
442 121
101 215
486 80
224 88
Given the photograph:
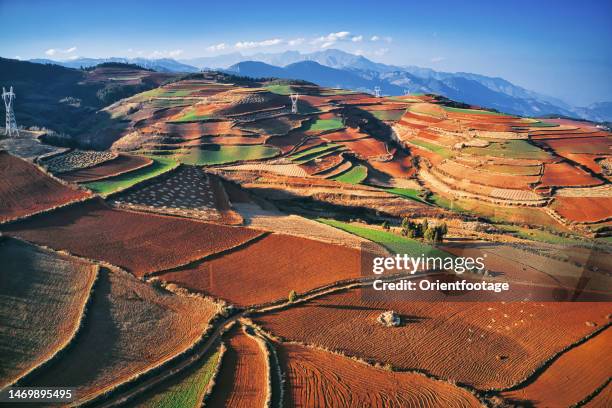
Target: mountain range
336 68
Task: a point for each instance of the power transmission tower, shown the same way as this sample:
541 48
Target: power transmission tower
11 123
294 100
377 91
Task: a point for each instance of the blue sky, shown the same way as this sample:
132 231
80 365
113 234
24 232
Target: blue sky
560 48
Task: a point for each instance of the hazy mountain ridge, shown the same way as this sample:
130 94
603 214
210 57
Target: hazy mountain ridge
359 73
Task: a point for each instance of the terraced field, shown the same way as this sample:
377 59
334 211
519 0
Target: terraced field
25 189
125 318
43 297
147 242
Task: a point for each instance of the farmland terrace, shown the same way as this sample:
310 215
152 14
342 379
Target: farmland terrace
213 254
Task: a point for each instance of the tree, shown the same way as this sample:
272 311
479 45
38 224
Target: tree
429 234
424 225
292 296
385 226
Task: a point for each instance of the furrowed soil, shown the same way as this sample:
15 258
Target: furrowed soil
268 269
122 164
130 328
486 345
42 299
25 189
138 242
316 378
572 377
242 381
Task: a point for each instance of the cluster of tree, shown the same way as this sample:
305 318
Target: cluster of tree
125 65
433 233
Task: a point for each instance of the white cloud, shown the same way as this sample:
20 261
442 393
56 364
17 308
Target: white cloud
357 38
17 57
359 52
175 53
437 59
216 47
296 41
388 39
331 38
57 51
375 38
256 44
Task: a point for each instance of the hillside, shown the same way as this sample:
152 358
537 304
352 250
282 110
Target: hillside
68 101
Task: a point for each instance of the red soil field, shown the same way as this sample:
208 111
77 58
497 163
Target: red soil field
476 176
121 164
195 130
138 242
601 400
316 378
129 328
367 148
346 134
322 164
434 158
268 269
287 142
487 345
564 174
25 189
583 209
572 377
242 380
400 166
587 160
590 145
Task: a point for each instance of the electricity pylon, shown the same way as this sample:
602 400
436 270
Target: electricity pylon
11 124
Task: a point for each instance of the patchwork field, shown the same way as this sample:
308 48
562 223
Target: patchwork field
121 164
25 189
243 376
485 345
43 297
268 269
572 377
319 378
138 242
125 318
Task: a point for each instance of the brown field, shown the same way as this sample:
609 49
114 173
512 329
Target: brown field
25 189
242 380
367 148
42 299
583 209
129 328
563 174
589 145
138 242
268 269
347 134
601 400
322 164
286 142
122 164
400 166
587 160
316 378
486 345
572 377
478 176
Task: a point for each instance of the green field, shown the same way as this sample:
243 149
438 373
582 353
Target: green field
280 89
542 124
393 242
177 93
473 111
187 391
314 152
323 125
538 235
516 149
222 154
442 151
406 193
105 187
191 116
354 175
389 115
